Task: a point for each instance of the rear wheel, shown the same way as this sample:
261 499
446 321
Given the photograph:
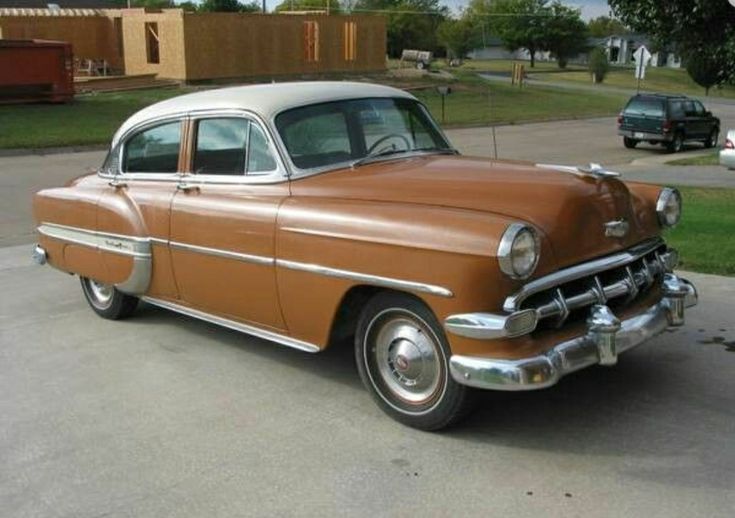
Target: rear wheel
403 359
630 143
677 144
712 139
107 301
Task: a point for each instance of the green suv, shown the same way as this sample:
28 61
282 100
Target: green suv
667 119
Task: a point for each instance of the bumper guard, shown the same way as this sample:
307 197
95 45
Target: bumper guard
606 337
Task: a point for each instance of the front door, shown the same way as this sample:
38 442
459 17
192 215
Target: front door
223 220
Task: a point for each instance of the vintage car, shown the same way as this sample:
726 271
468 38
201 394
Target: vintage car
311 213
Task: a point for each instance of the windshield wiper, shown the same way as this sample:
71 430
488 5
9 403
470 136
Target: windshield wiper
377 156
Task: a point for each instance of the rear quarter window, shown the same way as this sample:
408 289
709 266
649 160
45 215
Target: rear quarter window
647 107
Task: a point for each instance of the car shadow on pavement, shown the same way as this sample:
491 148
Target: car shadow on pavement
639 410
335 363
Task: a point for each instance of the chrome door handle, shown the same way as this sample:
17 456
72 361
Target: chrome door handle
186 187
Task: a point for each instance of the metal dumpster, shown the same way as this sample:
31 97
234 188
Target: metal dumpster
36 70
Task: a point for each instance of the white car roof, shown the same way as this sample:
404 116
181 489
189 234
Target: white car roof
265 100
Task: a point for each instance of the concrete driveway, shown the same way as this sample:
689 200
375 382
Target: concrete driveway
162 415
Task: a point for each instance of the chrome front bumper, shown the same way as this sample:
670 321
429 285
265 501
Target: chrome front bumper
605 339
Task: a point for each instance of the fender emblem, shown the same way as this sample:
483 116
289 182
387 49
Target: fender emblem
617 228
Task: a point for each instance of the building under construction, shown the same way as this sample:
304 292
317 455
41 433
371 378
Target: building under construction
175 44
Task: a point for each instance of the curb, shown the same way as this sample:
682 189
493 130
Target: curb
51 150
664 159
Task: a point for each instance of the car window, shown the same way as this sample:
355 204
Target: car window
260 158
699 109
676 110
336 132
315 137
690 109
221 146
647 107
154 150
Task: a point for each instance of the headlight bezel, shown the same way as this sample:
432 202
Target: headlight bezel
506 249
667 195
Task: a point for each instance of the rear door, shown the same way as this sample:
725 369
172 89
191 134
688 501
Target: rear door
223 220
144 170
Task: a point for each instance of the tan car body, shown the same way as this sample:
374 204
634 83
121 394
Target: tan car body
431 220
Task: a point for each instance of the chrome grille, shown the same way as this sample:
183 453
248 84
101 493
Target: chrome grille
618 279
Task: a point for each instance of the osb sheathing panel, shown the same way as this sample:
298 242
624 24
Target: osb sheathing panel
91 37
226 45
170 47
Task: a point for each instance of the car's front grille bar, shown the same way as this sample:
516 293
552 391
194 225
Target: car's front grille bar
627 275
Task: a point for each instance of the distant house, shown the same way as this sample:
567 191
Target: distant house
494 49
620 50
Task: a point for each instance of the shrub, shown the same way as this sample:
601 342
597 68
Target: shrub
598 65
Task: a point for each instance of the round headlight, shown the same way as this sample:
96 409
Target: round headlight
518 251
668 207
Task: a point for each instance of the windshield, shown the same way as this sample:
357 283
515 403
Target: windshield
322 135
647 107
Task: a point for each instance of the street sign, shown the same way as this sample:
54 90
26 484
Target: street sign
641 56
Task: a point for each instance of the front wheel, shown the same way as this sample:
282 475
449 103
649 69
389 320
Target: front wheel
403 359
677 144
630 143
107 301
712 139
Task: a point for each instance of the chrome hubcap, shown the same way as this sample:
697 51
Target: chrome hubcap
407 360
102 293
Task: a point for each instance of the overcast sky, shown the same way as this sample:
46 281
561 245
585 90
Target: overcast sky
590 8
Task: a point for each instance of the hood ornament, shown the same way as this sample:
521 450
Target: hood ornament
617 228
597 171
594 170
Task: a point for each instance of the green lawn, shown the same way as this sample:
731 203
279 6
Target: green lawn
475 101
90 119
708 159
663 80
704 237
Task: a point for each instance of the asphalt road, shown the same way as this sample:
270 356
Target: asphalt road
564 142
162 415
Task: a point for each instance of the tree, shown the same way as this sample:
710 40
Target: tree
228 6
565 33
697 29
458 36
411 24
154 4
310 5
188 6
705 72
603 26
519 23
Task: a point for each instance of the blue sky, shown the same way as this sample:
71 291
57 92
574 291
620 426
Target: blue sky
590 8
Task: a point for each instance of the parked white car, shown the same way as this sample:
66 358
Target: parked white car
727 155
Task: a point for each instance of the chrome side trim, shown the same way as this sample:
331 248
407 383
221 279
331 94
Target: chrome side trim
546 369
367 278
115 243
513 302
139 248
236 326
237 256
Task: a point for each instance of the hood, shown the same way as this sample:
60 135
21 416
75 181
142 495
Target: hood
570 210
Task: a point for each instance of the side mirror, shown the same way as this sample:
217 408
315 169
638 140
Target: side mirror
708 114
